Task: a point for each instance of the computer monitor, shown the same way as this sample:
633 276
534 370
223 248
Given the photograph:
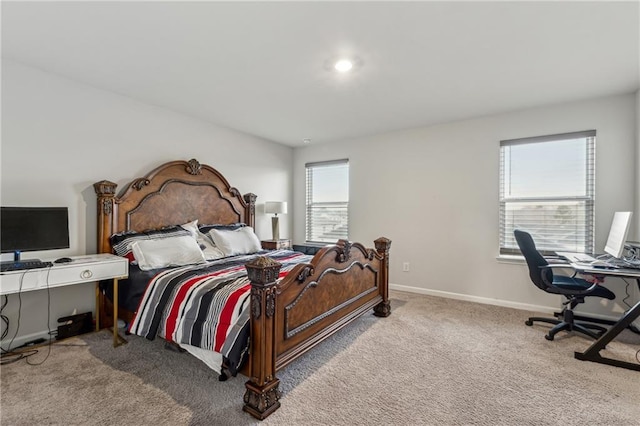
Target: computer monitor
618 234
33 229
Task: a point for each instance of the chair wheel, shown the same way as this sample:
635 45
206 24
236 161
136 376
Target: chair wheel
546 336
529 322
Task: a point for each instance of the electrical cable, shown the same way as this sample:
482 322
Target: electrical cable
631 326
19 310
48 322
626 291
9 356
631 258
5 319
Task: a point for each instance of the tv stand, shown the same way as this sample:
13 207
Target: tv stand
81 270
16 256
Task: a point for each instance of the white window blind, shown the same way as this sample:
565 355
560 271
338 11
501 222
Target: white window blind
547 189
327 212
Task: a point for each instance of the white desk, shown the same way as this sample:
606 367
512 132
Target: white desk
81 270
593 352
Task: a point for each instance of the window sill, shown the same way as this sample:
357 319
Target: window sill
510 259
310 244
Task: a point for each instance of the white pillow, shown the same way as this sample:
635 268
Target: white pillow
238 241
210 251
164 252
192 227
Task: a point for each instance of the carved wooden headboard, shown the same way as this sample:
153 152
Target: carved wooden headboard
173 193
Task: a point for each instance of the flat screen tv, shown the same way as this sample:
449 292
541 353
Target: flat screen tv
33 229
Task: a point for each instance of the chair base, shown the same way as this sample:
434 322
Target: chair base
562 325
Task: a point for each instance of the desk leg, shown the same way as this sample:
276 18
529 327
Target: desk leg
97 306
117 339
593 353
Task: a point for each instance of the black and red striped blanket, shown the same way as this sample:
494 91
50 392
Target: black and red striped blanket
205 305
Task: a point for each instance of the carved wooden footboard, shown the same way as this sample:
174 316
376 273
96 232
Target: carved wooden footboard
312 302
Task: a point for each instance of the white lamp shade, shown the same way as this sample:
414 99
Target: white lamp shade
275 207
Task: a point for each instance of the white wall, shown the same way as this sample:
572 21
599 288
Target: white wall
59 137
434 192
636 236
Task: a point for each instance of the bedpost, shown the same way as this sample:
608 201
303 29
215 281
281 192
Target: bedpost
262 395
250 199
106 192
383 309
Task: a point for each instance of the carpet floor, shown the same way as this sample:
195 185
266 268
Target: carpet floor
434 361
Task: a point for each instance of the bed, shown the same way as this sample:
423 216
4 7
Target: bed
290 306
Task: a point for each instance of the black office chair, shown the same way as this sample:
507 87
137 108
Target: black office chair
573 288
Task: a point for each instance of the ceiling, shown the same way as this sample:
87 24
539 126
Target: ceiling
262 67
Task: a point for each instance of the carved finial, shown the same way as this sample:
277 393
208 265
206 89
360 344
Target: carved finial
306 272
140 183
194 167
344 249
250 198
263 270
383 245
105 187
263 262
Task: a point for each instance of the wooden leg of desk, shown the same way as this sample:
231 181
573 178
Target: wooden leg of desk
117 340
115 312
97 307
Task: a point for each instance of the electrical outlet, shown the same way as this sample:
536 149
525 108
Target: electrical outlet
405 267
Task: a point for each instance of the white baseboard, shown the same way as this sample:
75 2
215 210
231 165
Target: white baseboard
477 299
498 302
21 340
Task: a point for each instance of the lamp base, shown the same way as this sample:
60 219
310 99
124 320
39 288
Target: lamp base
275 228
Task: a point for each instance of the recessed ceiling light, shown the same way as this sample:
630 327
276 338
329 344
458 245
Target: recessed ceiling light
343 65
306 141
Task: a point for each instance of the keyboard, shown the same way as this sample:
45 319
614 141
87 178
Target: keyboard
577 257
22 266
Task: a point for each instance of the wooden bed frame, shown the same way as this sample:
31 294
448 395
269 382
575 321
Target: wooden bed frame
312 302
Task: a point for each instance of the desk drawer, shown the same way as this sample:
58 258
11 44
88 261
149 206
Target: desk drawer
74 274
19 281
81 270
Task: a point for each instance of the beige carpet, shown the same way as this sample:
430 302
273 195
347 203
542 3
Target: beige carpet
432 362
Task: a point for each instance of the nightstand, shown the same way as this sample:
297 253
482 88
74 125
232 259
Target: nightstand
276 244
307 249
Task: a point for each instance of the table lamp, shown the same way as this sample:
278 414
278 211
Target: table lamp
275 207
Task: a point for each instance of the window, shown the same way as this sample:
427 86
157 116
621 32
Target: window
547 189
327 217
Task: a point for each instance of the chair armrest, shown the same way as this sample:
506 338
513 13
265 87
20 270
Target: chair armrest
556 266
565 291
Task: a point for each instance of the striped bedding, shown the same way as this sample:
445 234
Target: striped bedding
206 306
